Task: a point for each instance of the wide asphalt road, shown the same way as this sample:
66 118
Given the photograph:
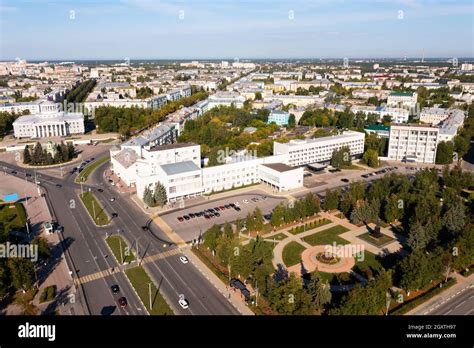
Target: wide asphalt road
462 304
170 274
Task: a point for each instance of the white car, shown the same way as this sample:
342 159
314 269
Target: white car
183 259
112 183
112 199
183 303
237 204
246 201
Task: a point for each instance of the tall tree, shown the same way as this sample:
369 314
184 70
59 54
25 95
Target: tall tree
26 155
159 194
22 273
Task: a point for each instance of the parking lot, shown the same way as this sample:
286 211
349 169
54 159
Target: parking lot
189 228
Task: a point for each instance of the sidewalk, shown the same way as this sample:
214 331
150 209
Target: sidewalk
232 296
57 270
462 284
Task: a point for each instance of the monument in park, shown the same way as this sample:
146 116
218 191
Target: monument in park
376 231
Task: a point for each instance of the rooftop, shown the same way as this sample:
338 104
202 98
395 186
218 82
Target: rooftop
171 146
279 167
180 167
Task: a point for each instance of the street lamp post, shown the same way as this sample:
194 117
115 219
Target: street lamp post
121 254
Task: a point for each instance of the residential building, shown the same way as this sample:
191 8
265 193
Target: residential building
413 143
402 99
279 117
302 152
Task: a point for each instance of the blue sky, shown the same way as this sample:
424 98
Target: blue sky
183 29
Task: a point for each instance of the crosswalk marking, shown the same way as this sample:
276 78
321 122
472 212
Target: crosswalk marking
110 271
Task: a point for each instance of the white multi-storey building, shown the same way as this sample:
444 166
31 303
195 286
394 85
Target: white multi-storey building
402 99
302 152
413 143
226 99
433 115
49 122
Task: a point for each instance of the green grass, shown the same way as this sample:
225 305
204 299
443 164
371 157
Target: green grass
384 239
87 171
292 253
91 204
13 218
309 226
279 236
327 236
370 261
140 281
48 294
114 243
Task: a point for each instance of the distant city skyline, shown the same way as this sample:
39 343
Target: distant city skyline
244 29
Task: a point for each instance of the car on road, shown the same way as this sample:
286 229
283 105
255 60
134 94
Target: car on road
145 228
37 182
59 228
100 190
180 219
114 215
122 302
183 303
14 172
59 185
345 180
115 288
183 259
112 199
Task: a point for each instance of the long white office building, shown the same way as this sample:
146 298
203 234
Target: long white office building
302 152
413 143
49 123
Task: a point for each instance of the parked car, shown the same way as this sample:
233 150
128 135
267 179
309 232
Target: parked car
345 180
186 217
246 201
112 199
237 209
180 219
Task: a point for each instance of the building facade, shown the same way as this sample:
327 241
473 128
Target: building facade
413 143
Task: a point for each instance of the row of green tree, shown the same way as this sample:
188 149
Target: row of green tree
79 94
128 121
38 155
155 196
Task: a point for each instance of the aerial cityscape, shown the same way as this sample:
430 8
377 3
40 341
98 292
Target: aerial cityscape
284 158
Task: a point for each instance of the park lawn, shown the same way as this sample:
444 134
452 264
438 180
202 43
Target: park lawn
279 236
370 261
87 171
309 226
292 253
327 236
384 239
115 242
13 218
91 204
140 281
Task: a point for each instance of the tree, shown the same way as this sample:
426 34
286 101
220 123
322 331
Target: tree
22 273
454 216
5 281
211 237
258 96
461 145
250 222
341 158
319 291
43 248
278 215
371 158
287 296
37 157
368 300
159 195
258 219
148 196
418 269
332 199
418 237
26 155
392 208
444 152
